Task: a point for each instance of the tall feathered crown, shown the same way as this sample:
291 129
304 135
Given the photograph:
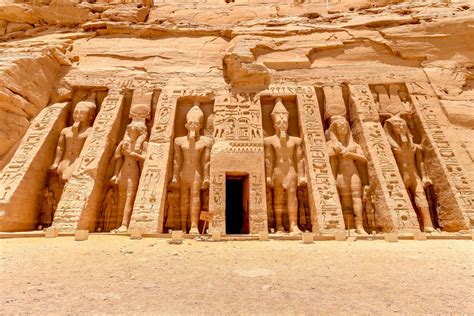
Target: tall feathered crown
195 113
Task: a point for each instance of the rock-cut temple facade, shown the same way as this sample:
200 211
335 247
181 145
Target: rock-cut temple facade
237 116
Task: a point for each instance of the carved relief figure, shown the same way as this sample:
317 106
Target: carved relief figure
191 166
47 208
410 161
129 155
72 138
284 166
109 209
347 162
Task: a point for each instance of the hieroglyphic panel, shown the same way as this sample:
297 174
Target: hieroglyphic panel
148 209
238 148
394 209
453 191
22 179
326 213
82 193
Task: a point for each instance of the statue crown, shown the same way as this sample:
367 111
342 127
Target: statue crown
195 114
279 107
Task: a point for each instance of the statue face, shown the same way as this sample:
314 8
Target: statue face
83 112
280 122
399 127
134 130
193 127
342 129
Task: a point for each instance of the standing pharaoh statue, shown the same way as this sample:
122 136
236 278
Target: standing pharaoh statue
410 161
72 138
347 162
191 166
129 155
284 166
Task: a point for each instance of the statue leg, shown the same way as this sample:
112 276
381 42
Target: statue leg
356 191
278 200
423 207
195 207
131 192
345 196
293 209
121 201
184 206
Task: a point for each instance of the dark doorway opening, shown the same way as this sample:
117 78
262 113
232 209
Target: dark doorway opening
237 204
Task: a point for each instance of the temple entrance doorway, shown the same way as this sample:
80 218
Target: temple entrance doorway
237 204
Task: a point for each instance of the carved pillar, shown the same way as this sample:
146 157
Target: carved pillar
148 210
24 176
452 188
326 213
238 149
82 194
394 209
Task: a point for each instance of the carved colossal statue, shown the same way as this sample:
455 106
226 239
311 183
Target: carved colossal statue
191 166
410 161
284 166
347 162
129 155
72 138
47 208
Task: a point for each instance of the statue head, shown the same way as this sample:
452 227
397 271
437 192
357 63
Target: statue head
280 117
339 129
194 121
136 129
84 112
396 128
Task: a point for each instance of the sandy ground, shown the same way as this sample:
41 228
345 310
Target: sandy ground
116 275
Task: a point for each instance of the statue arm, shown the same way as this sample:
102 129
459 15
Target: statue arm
118 161
59 151
206 164
334 161
358 155
301 165
268 161
420 164
177 161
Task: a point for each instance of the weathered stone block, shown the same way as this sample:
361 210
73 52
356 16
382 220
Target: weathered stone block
216 235
263 236
340 235
419 236
308 238
176 237
136 233
81 234
51 232
391 237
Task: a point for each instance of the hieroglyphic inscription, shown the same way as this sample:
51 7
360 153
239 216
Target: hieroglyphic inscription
455 195
326 213
238 132
117 82
394 209
24 176
81 196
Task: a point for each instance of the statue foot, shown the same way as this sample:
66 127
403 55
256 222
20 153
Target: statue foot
361 231
194 231
429 230
280 232
121 229
295 231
